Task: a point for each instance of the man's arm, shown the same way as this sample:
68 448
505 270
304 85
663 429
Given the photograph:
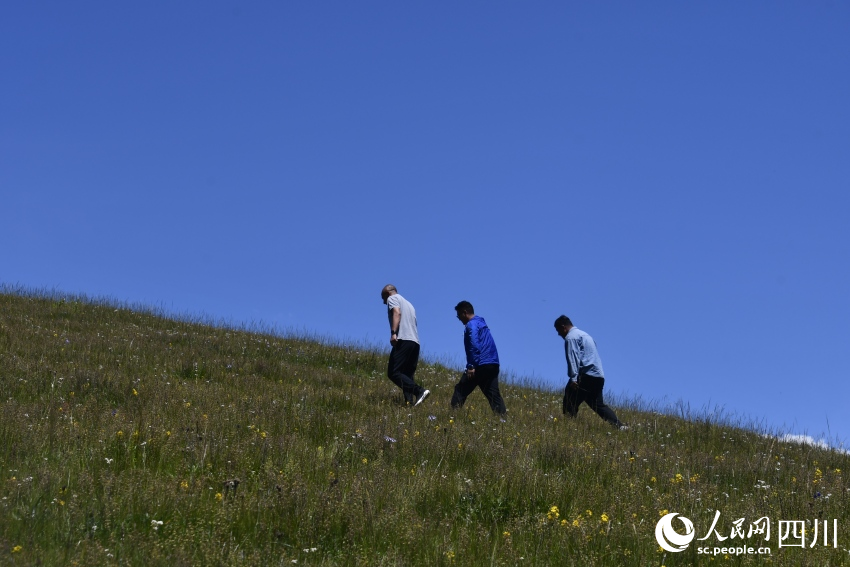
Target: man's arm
473 347
571 349
395 320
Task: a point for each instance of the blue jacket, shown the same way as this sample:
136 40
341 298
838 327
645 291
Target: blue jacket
479 344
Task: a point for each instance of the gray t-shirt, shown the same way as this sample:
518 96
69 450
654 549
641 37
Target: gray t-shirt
407 325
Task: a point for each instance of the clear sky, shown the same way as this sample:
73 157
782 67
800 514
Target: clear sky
674 176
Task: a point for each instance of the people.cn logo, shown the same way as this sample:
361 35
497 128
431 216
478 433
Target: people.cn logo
670 539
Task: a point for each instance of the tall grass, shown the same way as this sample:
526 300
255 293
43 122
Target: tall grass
128 438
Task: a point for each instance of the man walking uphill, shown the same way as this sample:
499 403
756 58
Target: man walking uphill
585 371
404 337
482 361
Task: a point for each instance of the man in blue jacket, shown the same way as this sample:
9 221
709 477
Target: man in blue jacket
482 361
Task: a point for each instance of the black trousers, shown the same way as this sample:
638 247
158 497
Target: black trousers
589 391
402 365
487 378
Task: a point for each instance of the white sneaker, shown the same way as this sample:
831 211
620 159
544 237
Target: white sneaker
424 395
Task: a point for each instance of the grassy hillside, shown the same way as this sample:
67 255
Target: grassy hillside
119 432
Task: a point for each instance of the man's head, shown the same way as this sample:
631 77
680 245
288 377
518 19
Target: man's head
465 311
563 325
388 290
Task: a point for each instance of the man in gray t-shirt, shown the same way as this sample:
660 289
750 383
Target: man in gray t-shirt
404 338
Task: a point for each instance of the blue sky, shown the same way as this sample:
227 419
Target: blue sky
674 176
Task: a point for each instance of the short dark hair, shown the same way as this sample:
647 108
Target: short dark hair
563 320
465 307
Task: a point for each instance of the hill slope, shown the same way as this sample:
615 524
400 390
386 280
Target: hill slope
120 430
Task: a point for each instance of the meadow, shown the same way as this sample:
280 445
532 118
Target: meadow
131 438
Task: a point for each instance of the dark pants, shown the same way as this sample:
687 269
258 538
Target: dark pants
487 378
589 391
401 367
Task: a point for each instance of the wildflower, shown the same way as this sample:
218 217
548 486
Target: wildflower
364 460
564 522
589 513
576 522
218 496
432 418
553 514
663 512
603 518
450 555
155 524
17 549
184 484
135 393
389 439
506 534
120 434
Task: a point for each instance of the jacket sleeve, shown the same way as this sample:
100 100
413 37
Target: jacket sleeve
472 343
572 349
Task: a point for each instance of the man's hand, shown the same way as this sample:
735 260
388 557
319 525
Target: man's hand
470 372
393 338
573 385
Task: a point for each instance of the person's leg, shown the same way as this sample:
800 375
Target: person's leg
409 368
572 400
402 364
394 367
593 387
462 390
488 381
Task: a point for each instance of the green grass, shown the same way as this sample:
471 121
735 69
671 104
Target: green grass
119 429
